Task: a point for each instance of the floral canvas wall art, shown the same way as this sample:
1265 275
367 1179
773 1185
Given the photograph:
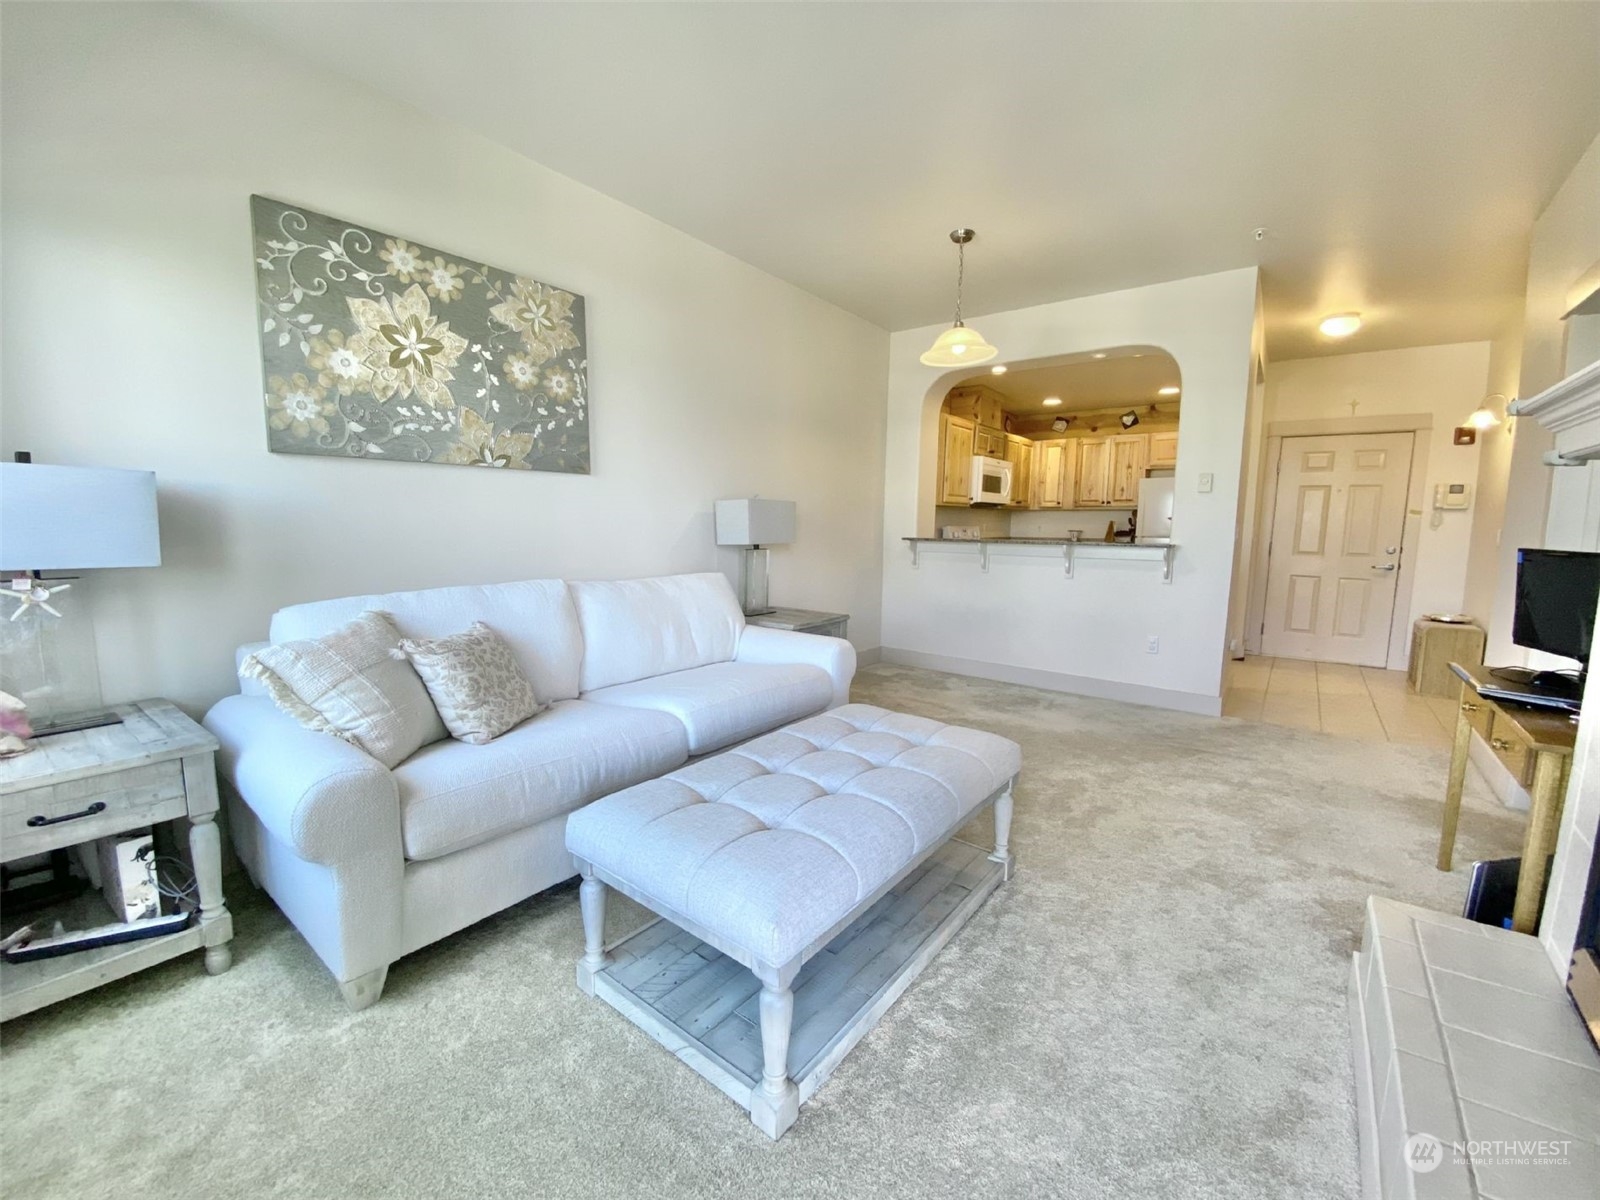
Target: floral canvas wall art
375 347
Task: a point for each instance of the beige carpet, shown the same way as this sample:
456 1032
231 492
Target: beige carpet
1153 1007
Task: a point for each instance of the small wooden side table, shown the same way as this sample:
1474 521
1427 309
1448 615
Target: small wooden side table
157 765
1535 745
804 620
1434 646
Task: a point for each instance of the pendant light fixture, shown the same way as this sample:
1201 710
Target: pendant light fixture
959 346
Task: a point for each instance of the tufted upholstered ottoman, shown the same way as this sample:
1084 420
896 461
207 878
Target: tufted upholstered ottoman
804 879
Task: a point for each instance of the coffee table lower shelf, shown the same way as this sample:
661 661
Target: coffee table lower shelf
703 1006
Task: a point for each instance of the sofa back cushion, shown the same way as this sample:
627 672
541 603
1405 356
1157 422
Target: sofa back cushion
535 618
640 628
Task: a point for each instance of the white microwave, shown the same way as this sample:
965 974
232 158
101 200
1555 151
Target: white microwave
991 481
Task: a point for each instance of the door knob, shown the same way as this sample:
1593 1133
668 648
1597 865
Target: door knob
1385 567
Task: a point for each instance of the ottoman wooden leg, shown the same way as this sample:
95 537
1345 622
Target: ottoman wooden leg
775 1102
1002 833
592 900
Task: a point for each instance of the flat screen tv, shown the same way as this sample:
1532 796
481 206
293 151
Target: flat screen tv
1557 592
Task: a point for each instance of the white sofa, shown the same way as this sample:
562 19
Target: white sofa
642 675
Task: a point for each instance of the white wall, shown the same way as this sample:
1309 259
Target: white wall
130 340
1496 446
1565 246
1024 619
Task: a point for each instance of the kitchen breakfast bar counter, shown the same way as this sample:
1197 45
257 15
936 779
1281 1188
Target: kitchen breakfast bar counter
1072 550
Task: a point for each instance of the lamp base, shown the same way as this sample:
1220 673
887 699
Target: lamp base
754 601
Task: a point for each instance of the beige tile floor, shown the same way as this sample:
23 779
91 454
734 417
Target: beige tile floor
1358 702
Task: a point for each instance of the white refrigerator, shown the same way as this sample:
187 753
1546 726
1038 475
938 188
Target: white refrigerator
1155 508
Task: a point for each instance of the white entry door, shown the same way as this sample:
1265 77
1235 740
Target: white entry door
1335 550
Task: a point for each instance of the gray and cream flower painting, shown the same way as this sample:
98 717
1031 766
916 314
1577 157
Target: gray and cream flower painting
375 347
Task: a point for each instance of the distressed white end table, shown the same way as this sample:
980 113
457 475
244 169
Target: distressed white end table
804 620
156 765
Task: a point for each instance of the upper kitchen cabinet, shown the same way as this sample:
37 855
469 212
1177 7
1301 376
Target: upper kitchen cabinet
1163 449
955 459
1019 453
1128 455
1052 474
985 408
1093 458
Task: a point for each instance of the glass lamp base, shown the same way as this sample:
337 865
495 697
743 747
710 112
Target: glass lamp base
48 661
755 582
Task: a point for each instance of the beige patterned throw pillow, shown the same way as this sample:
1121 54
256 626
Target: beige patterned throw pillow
475 682
348 683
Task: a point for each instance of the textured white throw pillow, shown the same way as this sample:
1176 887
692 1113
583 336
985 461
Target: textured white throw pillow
350 684
475 682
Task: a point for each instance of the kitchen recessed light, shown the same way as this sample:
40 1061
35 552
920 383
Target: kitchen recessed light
1051 401
1168 391
1098 354
1338 325
1000 370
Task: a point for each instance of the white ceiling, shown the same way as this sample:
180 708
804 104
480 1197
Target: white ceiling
1124 378
1397 153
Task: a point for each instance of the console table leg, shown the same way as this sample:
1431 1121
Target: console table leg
1002 832
1544 819
592 900
205 850
775 1103
1457 780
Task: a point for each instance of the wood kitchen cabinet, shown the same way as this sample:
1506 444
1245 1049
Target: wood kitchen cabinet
1163 449
989 442
955 459
1051 488
1091 487
1127 457
1019 453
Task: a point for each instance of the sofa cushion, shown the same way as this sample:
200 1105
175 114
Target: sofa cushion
347 683
475 681
727 702
637 628
535 617
453 795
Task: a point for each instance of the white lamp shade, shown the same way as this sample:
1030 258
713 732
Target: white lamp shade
958 346
75 518
755 522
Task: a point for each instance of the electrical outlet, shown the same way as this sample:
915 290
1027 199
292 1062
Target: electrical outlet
1153 645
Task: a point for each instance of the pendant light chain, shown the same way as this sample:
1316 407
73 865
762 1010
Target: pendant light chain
961 275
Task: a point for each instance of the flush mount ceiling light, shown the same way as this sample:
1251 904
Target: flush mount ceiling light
1483 416
1167 391
959 346
1338 325
1051 401
1098 354
998 369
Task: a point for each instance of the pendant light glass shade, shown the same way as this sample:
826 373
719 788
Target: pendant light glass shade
959 346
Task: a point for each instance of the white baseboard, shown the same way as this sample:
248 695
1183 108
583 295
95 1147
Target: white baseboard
867 658
1056 681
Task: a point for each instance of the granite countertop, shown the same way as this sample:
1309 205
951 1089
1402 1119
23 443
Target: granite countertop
1037 541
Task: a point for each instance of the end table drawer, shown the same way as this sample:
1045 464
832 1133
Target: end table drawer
80 810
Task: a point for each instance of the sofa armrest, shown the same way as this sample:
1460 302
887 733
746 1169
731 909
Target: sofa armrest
837 657
326 799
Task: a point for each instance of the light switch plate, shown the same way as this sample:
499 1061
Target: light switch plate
1206 481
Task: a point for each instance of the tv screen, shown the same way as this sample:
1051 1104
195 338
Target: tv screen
1557 591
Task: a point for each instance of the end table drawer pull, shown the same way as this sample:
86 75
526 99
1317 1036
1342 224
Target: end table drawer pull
99 806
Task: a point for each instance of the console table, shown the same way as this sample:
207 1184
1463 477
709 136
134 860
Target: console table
1535 745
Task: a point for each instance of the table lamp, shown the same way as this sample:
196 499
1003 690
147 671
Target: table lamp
56 518
755 524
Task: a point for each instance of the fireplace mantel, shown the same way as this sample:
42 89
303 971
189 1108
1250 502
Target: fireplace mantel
1570 410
